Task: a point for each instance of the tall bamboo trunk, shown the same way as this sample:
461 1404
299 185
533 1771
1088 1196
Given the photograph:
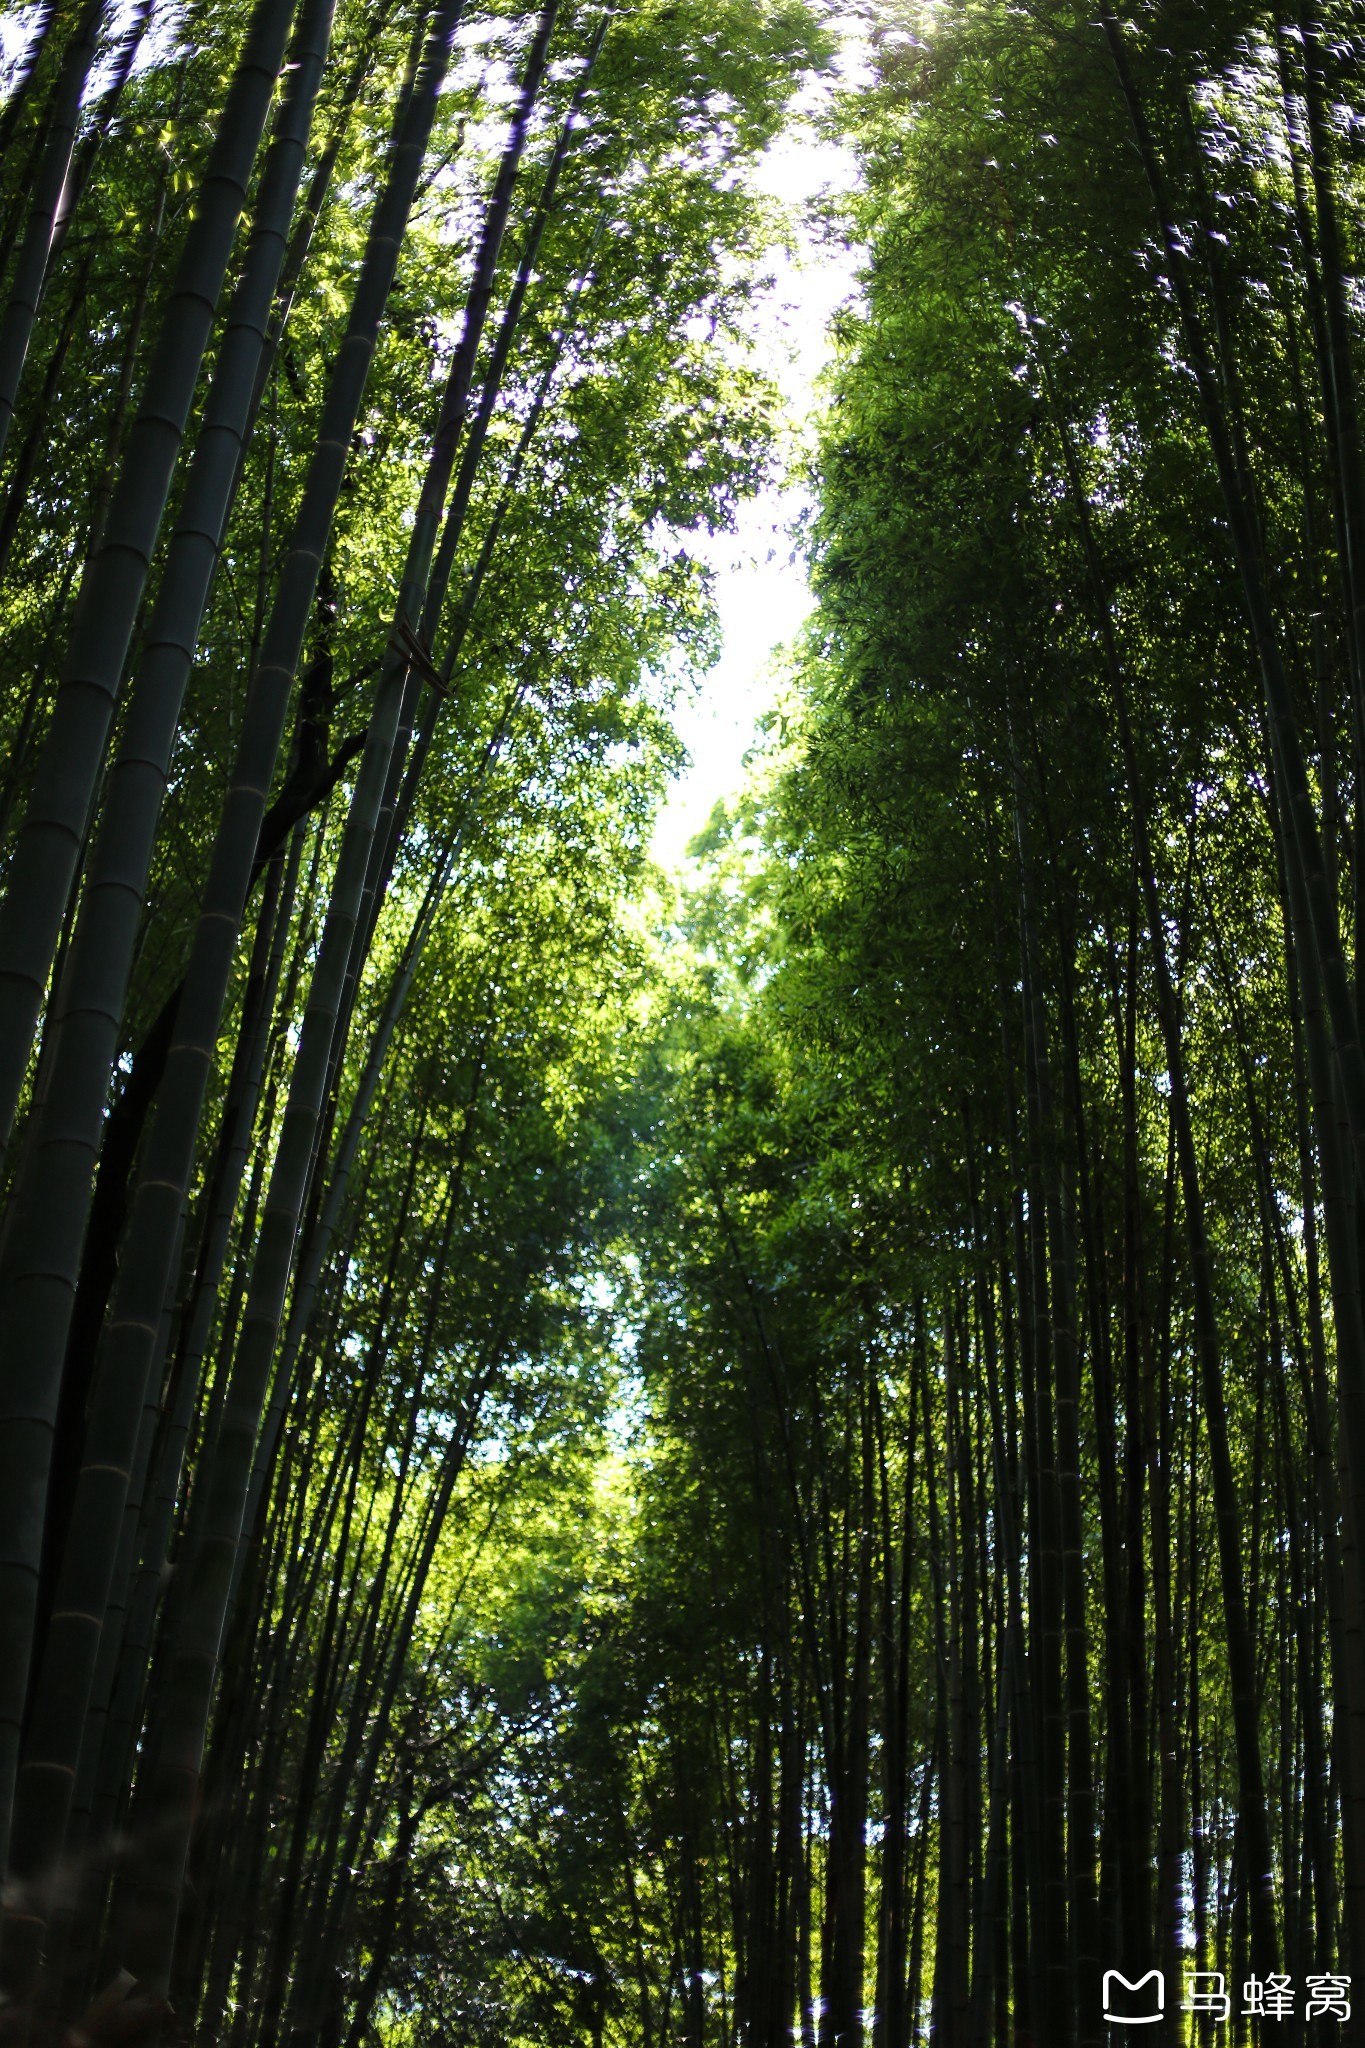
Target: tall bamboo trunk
89 1012
54 163
55 823
34 1306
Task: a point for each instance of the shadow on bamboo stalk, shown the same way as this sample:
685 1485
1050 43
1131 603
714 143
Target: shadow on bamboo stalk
125 2012
121 2016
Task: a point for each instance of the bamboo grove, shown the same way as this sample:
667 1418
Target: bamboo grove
362 368
1010 1163
584 1460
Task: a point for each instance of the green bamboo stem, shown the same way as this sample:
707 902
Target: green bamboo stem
54 827
150 1902
48 851
26 287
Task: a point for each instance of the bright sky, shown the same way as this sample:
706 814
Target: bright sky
761 589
